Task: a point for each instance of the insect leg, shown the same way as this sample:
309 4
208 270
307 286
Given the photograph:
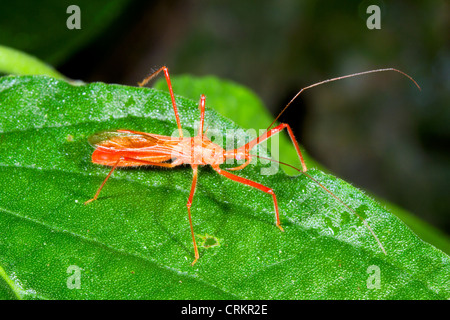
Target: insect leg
201 106
188 205
104 181
254 185
144 162
172 97
266 135
282 126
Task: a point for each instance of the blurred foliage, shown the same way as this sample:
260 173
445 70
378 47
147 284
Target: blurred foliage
377 131
39 27
13 61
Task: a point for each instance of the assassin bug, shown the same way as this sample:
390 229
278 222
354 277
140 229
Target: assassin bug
127 148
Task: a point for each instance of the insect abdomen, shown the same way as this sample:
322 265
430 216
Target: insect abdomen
130 159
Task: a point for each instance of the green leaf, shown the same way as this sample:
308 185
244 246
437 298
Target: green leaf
134 241
16 62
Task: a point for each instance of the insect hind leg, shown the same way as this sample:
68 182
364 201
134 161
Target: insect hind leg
254 185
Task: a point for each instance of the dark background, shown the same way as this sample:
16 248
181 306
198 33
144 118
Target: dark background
378 131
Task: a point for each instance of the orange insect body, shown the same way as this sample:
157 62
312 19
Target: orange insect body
137 148
127 148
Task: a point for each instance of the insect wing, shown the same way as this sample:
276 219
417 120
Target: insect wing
137 144
120 140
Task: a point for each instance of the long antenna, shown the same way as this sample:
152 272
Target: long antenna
309 176
340 78
354 212
277 161
333 195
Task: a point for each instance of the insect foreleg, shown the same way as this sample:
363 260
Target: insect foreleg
143 162
267 134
